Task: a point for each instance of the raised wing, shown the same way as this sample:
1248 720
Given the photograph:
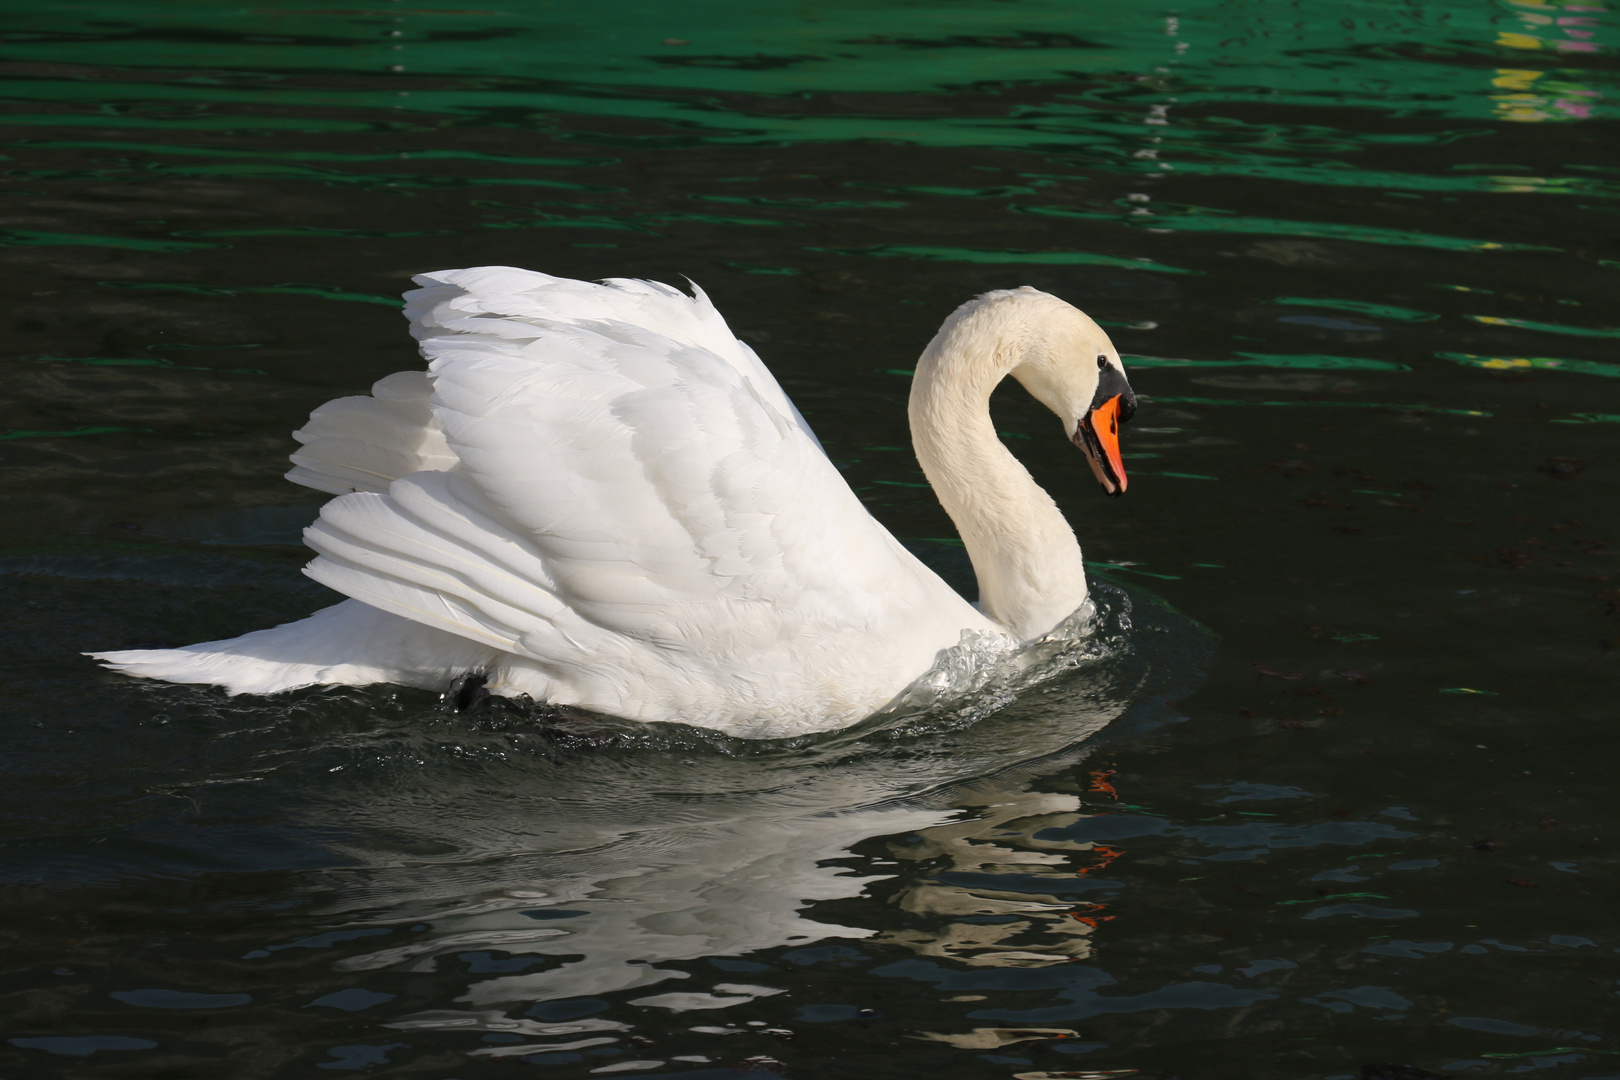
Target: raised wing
637 511
527 298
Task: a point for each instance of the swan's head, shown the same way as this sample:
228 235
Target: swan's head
1069 365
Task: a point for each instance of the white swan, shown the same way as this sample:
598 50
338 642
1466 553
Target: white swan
597 496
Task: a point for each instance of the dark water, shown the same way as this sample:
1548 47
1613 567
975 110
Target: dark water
1335 789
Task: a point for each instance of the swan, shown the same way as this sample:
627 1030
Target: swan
597 496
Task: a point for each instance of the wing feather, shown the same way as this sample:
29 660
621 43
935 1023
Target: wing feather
510 302
365 443
635 510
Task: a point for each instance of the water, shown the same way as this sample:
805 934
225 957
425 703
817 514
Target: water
1333 791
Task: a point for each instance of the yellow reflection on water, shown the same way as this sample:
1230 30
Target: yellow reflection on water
1564 28
1531 97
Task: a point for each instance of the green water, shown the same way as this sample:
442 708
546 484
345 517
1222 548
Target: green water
1333 795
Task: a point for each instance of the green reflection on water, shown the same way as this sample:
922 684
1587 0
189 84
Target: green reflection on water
255 170
232 125
1232 52
1222 221
292 288
1266 360
1130 568
1525 363
798 204
1026 258
1112 88
1307 402
956 192
343 157
1102 82
1360 307
310 231
1271 166
32 238
749 269
1546 328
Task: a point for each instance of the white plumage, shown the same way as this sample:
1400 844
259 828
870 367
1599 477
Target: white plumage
597 496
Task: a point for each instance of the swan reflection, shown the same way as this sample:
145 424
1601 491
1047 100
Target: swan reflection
979 911
727 889
554 873
715 888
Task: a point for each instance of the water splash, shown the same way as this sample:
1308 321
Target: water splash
986 672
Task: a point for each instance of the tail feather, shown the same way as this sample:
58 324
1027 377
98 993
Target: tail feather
349 644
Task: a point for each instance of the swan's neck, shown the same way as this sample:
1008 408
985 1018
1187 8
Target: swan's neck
1024 552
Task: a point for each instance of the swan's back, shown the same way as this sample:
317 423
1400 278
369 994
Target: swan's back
626 507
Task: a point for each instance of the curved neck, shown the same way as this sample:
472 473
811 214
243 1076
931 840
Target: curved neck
1024 553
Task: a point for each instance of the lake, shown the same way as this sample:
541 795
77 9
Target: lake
1327 795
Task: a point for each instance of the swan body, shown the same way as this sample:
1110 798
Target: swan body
597 496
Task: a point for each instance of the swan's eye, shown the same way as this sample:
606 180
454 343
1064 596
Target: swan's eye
1102 363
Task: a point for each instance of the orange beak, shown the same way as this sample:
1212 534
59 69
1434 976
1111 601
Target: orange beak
1098 437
